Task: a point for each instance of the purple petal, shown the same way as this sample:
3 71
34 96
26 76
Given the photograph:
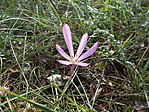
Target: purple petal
68 39
62 52
64 62
82 64
82 45
89 52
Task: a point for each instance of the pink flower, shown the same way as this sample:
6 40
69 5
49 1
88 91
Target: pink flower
75 59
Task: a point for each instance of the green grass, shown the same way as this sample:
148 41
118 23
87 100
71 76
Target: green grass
117 77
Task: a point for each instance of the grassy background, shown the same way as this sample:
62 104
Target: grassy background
117 78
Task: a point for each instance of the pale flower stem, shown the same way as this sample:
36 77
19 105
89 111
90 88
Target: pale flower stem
72 70
68 82
71 78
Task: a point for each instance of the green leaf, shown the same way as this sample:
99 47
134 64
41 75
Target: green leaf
38 105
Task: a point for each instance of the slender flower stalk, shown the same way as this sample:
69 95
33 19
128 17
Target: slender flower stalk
75 59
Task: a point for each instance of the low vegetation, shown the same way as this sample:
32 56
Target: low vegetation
31 78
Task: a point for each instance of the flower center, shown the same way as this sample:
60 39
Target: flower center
73 59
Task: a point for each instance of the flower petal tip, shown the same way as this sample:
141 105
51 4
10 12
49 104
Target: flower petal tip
66 27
